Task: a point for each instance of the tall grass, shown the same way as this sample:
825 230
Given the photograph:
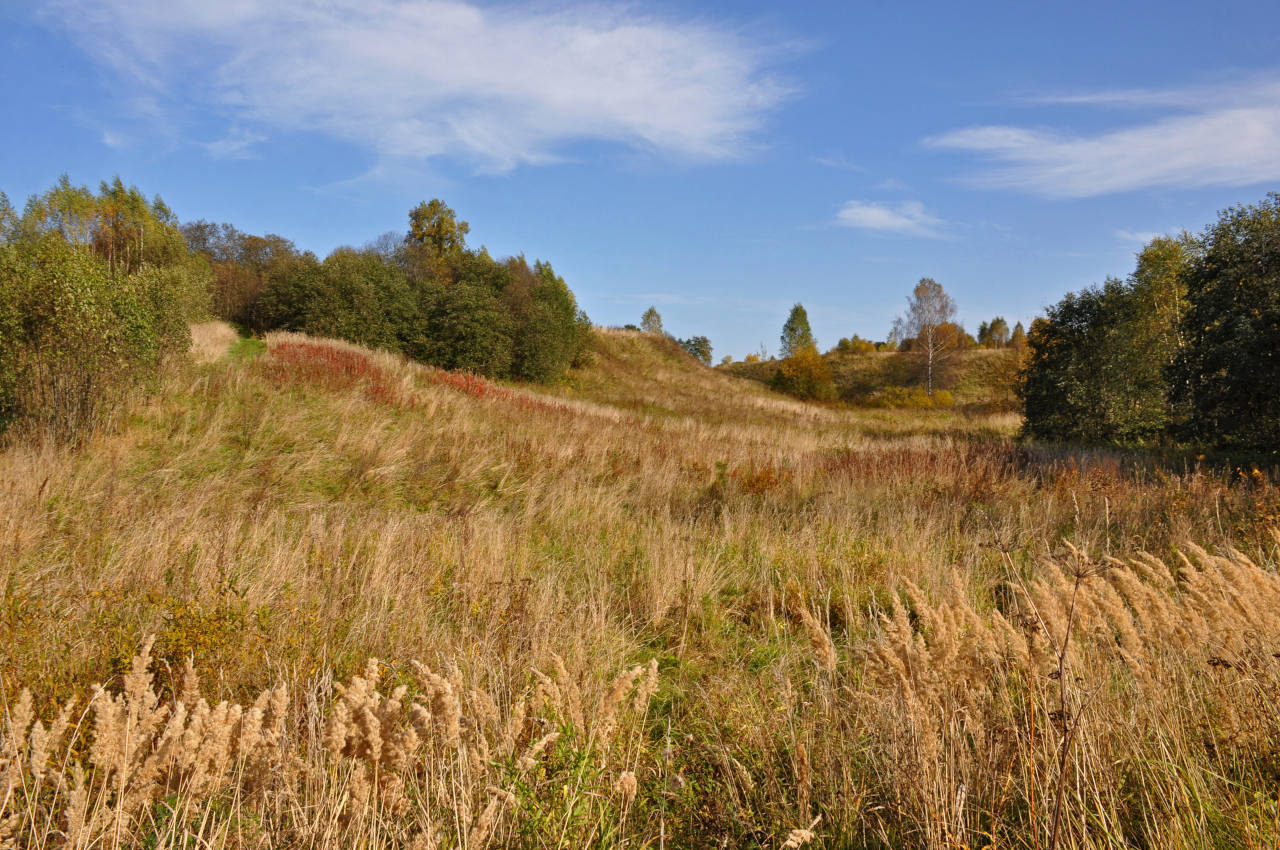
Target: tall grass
856 622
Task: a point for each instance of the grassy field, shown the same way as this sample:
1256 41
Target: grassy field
334 599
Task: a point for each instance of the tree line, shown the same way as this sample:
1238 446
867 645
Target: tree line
921 351
1185 349
97 290
425 294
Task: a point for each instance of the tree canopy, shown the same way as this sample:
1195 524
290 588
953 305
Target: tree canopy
1225 378
96 292
994 334
423 293
1097 365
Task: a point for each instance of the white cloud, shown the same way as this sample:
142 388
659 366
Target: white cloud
501 86
1136 236
906 218
1228 136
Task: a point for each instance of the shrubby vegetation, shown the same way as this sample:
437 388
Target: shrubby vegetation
1182 350
856 345
671 610
803 373
918 366
96 292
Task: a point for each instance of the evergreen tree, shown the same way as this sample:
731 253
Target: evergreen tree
796 334
993 334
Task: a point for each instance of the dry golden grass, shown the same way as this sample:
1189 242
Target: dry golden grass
833 628
211 340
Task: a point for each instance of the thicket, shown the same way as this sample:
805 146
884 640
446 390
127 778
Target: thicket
96 291
1184 349
426 295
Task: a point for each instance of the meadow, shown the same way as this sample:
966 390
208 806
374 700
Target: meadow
311 595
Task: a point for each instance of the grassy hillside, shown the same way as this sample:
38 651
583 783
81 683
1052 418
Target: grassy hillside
656 606
980 377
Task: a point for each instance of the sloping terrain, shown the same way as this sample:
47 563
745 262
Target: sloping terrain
655 603
977 378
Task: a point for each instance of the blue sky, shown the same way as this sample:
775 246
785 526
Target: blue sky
720 161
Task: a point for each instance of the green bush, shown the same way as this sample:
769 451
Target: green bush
96 292
469 330
352 295
76 338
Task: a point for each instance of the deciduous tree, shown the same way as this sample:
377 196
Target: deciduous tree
1225 381
994 334
698 347
929 310
651 322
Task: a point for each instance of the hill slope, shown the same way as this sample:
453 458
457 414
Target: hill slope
978 377
740 559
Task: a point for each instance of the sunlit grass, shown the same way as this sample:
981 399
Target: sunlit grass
282 519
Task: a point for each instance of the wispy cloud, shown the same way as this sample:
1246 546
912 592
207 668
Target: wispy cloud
498 85
905 218
839 162
1142 237
1224 136
892 184
238 144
